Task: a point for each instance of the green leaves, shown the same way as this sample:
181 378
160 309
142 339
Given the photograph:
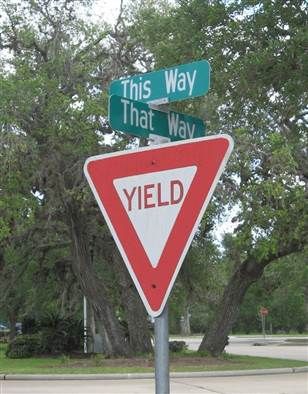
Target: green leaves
54 88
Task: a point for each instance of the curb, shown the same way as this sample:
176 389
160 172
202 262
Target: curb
300 369
248 372
173 375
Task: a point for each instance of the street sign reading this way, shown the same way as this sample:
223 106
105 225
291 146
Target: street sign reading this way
153 200
169 84
139 119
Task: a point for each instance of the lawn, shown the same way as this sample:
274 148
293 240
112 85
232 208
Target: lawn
186 361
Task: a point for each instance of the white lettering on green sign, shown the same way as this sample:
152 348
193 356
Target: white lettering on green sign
180 127
139 118
179 81
136 90
174 81
166 85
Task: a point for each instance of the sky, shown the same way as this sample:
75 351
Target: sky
107 9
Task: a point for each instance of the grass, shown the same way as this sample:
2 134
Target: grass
186 361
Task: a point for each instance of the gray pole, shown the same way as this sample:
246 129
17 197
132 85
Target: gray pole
85 324
161 330
263 325
161 323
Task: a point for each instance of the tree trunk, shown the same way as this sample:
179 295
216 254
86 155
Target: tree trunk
306 306
185 322
216 338
12 323
139 335
113 335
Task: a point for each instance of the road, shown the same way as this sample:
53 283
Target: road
266 384
272 346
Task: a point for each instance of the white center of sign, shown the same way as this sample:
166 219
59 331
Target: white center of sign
152 202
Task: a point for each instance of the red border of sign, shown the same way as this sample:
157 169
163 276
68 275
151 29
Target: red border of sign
209 155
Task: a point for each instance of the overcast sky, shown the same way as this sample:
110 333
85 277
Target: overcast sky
107 9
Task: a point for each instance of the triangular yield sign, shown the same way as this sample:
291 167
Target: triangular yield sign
153 200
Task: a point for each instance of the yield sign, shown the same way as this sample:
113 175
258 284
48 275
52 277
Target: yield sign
153 200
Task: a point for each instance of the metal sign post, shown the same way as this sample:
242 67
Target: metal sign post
263 313
85 326
263 325
161 330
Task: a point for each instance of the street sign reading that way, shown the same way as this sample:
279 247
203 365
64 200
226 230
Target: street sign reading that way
170 84
153 200
139 119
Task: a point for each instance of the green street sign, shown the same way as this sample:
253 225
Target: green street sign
139 119
169 84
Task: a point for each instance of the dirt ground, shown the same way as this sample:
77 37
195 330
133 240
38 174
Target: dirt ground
145 362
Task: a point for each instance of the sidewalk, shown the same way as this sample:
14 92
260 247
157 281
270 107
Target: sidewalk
251 372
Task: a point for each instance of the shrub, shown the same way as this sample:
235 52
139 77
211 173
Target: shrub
4 339
30 325
3 336
57 335
24 346
61 334
177 346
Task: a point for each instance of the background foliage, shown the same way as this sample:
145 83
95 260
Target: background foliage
55 247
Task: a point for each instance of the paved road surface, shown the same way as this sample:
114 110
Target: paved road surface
277 347
296 383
